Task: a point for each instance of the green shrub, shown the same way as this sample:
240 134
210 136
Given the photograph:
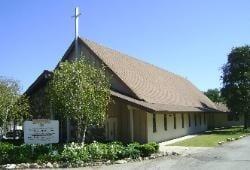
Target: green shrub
115 150
16 142
24 153
45 158
42 150
21 154
97 150
155 145
132 151
5 150
147 150
74 153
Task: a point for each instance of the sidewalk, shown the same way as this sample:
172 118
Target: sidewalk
169 142
180 150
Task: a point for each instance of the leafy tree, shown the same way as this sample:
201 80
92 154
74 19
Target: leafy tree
236 81
20 111
81 92
13 106
214 95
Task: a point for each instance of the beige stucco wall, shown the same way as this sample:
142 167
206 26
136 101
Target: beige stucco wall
161 134
221 120
120 111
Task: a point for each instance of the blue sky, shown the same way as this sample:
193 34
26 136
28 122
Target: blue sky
190 38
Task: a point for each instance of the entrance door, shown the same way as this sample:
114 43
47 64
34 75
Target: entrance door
111 128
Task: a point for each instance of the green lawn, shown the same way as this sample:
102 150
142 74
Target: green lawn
211 138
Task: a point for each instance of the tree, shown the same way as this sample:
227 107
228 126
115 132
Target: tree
214 95
13 106
81 92
236 81
8 90
19 112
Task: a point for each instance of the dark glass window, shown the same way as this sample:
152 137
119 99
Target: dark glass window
205 121
174 121
154 123
200 118
189 119
165 122
195 119
182 120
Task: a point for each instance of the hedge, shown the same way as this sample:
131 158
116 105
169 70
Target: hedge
74 152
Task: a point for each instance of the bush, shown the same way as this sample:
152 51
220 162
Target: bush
132 150
5 150
74 153
97 150
147 150
51 157
115 150
21 154
25 153
16 142
155 145
110 151
14 154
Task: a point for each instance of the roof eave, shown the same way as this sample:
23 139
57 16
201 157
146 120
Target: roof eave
43 77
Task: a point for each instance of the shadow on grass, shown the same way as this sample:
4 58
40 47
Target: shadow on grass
227 131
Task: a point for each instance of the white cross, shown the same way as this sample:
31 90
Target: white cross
76 16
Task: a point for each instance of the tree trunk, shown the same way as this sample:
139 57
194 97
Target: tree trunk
14 129
84 129
79 132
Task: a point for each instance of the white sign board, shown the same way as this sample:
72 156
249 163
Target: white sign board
41 131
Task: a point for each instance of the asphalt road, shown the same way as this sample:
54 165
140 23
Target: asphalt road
234 155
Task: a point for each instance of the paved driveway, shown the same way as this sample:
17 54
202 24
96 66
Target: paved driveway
234 155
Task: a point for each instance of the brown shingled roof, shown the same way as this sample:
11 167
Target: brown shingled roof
160 89
222 107
153 107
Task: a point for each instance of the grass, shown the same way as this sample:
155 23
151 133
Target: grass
211 138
